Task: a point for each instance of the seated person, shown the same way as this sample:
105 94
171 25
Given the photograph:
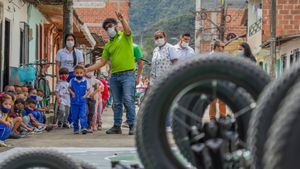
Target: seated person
33 93
29 118
14 123
35 118
17 112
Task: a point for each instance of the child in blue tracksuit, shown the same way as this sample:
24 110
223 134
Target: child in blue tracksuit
79 91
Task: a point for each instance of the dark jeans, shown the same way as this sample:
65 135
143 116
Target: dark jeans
90 111
122 87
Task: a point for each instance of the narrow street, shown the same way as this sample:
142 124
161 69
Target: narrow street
65 137
97 148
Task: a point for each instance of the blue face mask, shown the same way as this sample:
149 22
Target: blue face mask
4 110
28 110
33 97
78 77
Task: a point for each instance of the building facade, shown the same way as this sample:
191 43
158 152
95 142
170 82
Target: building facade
31 31
287 32
208 24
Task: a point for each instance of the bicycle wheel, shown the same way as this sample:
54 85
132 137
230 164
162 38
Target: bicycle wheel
39 159
262 116
202 71
282 149
198 104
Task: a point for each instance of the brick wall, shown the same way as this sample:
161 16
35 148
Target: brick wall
234 26
95 16
288 18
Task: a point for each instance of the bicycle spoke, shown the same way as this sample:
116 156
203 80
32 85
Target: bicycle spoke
214 84
187 112
183 123
200 101
244 110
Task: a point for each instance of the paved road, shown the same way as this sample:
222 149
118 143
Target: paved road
99 157
65 138
97 148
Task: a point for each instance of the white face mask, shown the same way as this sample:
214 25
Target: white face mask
160 42
90 74
184 44
38 98
70 44
111 32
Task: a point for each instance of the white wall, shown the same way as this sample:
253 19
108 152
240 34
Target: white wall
288 49
16 15
254 14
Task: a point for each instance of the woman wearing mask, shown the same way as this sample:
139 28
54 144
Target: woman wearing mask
164 56
245 51
69 56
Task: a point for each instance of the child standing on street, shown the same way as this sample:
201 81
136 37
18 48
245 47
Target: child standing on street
63 97
94 101
79 91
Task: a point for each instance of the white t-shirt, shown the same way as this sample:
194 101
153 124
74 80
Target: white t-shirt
184 53
66 58
62 89
91 82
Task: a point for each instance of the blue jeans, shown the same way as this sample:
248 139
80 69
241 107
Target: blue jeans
122 86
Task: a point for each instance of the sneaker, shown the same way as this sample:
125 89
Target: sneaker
76 132
13 135
169 129
60 124
131 130
84 131
114 130
3 144
49 128
42 128
65 125
99 128
125 124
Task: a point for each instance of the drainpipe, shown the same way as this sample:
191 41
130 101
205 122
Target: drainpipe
68 18
273 39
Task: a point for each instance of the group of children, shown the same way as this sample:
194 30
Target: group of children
21 113
80 104
80 101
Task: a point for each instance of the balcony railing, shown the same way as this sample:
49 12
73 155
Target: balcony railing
255 27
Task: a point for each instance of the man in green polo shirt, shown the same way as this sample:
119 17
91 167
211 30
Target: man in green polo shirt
138 55
119 51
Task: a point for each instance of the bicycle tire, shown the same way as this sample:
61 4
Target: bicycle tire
156 152
236 99
262 116
282 150
39 158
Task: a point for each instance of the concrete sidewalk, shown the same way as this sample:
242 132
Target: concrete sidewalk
65 138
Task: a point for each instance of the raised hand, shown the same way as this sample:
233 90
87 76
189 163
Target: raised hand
119 15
